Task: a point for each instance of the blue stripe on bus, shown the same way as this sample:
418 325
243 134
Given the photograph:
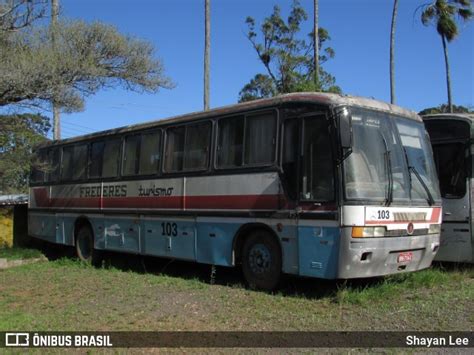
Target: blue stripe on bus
314 252
318 251
214 242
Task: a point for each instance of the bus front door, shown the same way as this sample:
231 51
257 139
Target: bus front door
456 240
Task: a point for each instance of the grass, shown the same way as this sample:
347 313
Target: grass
391 287
131 293
19 253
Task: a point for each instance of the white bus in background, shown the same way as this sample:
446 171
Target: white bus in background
452 140
309 184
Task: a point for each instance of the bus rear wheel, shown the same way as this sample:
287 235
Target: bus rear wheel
261 261
85 244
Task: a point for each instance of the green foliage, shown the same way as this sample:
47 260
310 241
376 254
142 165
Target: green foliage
18 134
445 109
286 56
391 287
443 14
20 253
66 62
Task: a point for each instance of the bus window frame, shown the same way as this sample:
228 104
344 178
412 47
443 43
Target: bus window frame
284 121
86 173
159 171
89 161
137 154
333 138
37 153
119 168
466 165
467 140
165 142
47 177
244 166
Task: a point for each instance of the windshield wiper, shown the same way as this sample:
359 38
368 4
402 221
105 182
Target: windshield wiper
409 174
388 163
418 176
420 179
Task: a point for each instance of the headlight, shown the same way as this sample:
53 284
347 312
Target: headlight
368 232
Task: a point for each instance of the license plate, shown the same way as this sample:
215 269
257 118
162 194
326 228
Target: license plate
405 257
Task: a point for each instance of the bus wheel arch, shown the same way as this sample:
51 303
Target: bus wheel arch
84 240
257 248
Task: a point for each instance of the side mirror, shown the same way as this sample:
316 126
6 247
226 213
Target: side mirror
344 118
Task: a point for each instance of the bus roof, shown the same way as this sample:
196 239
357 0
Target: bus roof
302 97
464 117
457 116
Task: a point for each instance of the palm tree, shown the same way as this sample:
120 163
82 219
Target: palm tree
443 14
56 111
207 45
316 42
392 52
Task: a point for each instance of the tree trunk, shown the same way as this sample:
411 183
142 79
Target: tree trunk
56 112
448 73
316 42
56 122
392 52
207 48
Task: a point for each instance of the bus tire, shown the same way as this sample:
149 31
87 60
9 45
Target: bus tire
85 244
261 261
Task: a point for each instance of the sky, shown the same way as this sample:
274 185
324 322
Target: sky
359 30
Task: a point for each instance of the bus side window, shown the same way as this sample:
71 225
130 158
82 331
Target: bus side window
131 155
67 163
96 155
198 139
150 155
39 165
79 162
290 157
53 161
260 138
110 161
230 142
174 152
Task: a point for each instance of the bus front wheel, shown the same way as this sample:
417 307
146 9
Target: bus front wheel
85 244
261 261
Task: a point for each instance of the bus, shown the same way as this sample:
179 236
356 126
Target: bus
309 184
452 140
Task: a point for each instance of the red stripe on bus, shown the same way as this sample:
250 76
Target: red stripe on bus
435 215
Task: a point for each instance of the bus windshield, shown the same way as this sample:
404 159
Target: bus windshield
390 160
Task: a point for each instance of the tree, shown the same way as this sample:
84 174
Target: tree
392 52
18 134
84 59
445 109
287 59
443 13
207 49
18 14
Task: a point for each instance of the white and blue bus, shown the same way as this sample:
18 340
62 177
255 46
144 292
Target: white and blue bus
452 137
309 184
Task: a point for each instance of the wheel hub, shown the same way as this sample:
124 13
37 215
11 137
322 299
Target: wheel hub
259 259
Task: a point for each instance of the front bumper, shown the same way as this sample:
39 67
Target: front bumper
370 257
